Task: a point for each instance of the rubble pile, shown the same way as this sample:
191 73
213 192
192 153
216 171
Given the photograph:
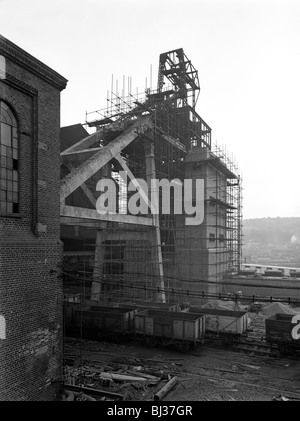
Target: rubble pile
274 308
221 305
118 379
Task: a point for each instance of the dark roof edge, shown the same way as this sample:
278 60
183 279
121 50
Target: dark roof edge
10 50
73 125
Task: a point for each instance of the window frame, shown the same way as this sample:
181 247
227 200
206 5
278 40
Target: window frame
13 155
212 237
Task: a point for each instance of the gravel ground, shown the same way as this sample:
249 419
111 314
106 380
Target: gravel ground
209 373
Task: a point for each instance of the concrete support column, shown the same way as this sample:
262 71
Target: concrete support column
156 239
98 265
101 237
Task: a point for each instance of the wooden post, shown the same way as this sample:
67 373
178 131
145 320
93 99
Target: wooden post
166 389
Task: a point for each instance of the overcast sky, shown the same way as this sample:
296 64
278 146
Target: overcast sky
247 53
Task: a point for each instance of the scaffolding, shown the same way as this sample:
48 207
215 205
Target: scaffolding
170 261
234 209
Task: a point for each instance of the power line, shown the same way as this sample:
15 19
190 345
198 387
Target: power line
196 294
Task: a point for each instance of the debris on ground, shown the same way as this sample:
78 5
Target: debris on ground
135 372
284 398
129 380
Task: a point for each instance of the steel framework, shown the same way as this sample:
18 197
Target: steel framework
156 134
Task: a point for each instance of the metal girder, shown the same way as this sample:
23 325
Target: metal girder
85 143
88 168
78 157
83 187
92 214
82 222
143 194
178 69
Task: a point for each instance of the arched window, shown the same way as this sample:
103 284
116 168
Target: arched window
9 161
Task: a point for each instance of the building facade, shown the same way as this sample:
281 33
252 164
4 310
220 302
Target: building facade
30 247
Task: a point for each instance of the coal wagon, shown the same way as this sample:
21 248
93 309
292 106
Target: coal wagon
279 329
227 324
175 328
95 322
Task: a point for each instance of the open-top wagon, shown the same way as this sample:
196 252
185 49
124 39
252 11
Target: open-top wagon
180 329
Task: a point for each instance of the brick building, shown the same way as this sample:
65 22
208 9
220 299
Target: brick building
30 247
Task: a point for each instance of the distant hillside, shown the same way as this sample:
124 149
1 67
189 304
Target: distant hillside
276 231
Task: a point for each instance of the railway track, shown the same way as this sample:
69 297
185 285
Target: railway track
228 367
247 369
247 346
252 346
255 345
256 348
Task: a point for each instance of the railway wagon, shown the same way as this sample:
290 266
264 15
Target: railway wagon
279 332
177 328
102 321
220 321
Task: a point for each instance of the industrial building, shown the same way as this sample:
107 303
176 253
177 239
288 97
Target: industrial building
123 255
30 248
54 240
128 226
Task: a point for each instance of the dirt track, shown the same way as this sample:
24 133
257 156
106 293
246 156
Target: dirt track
211 372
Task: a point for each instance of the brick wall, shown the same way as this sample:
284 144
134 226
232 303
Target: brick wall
30 247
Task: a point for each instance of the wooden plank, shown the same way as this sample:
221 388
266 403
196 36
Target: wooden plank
95 392
141 374
122 377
